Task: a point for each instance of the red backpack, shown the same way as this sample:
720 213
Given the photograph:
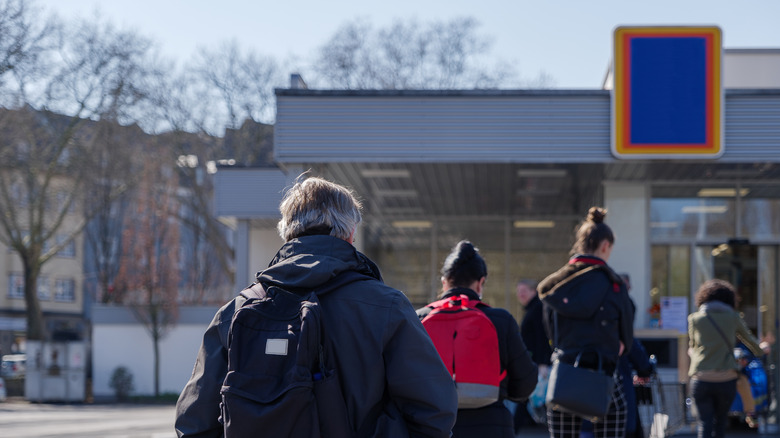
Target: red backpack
467 342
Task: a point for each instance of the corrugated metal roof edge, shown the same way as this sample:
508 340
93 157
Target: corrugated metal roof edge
437 93
485 93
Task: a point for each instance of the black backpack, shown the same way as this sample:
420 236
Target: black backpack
278 382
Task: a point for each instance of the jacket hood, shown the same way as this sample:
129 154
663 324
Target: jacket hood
715 306
568 290
314 262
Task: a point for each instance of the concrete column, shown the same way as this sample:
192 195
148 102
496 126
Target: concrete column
242 254
360 233
265 242
628 215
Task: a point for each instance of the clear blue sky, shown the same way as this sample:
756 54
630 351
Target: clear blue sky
571 40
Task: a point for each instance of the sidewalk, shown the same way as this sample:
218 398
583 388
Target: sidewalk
687 432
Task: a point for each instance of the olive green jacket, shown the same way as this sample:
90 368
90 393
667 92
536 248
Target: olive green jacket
707 348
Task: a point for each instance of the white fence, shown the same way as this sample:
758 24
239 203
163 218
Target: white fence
118 339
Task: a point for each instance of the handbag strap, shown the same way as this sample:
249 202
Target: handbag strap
555 313
717 327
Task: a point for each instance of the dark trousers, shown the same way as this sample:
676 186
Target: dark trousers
713 400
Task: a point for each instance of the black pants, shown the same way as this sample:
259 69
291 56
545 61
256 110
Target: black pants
713 400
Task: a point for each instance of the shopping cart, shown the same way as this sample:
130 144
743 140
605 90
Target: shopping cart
662 406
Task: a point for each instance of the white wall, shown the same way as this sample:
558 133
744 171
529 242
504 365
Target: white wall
751 69
264 243
628 210
117 340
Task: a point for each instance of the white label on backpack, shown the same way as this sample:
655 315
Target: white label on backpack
277 347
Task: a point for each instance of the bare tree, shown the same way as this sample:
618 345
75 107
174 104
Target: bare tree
115 165
228 92
405 55
239 85
83 72
148 276
25 38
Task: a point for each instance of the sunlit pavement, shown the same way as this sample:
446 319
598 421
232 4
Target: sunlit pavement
21 419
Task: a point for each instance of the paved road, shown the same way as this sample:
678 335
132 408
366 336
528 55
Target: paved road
20 419
43 420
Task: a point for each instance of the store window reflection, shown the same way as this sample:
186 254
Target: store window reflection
670 278
759 219
697 218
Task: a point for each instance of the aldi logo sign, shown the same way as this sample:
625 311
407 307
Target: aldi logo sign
667 97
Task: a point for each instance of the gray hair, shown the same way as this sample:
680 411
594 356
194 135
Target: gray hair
531 283
317 206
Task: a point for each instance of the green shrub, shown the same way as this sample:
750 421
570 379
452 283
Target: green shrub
122 383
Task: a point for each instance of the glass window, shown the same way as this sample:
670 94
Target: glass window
16 286
670 277
64 289
767 287
403 255
43 288
69 250
697 218
759 219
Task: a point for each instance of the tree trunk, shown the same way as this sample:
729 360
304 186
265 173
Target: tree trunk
156 341
36 329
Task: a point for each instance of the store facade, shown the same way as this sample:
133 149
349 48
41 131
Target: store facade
514 171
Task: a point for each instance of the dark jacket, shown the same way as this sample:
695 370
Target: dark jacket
637 360
384 357
533 332
593 309
521 377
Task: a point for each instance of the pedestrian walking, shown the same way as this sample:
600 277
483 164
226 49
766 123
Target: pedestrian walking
535 339
589 317
712 334
508 364
391 377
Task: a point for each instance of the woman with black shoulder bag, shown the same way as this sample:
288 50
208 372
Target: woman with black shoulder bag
589 318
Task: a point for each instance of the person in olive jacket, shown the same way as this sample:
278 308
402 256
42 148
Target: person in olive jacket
464 273
594 317
712 334
393 381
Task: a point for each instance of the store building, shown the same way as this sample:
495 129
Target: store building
515 171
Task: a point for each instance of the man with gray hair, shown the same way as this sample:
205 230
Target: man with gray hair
392 379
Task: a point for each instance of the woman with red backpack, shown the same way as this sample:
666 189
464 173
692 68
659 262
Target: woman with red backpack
484 375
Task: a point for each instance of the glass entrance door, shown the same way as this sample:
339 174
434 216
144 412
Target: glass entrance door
752 269
738 264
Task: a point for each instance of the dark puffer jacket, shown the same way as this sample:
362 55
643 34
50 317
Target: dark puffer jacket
384 357
521 375
593 309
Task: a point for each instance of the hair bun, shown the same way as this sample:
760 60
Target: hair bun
597 214
465 251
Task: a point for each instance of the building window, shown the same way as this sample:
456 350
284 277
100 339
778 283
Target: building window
64 289
16 286
44 292
69 250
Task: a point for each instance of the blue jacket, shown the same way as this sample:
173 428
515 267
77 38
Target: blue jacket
385 359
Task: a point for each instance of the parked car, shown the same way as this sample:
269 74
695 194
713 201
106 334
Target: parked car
2 390
13 365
